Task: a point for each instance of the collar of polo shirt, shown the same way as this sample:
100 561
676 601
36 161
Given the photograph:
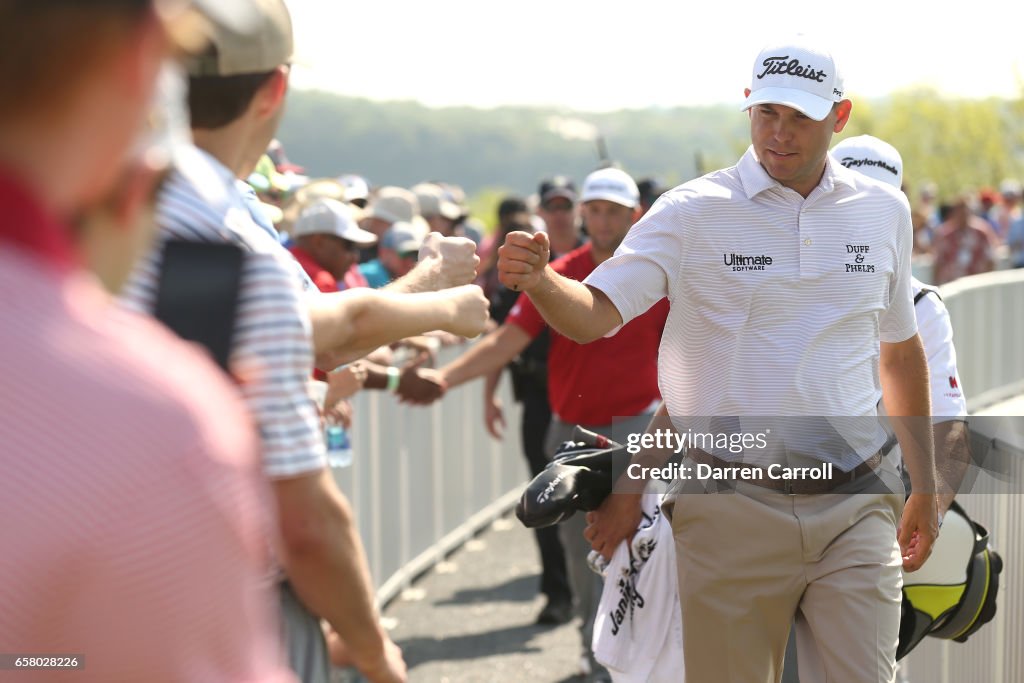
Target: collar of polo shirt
756 180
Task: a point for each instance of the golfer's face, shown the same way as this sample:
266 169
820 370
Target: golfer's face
790 145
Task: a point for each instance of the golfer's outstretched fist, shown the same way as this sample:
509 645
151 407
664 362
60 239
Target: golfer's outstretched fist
522 259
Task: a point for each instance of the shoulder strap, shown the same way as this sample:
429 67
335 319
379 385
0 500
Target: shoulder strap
925 291
197 294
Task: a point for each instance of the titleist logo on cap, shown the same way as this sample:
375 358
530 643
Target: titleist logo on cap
792 67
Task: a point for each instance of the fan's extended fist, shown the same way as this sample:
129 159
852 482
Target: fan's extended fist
471 311
453 260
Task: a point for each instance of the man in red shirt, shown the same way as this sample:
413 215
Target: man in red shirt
326 242
610 382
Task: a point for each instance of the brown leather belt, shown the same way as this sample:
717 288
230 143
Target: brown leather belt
791 486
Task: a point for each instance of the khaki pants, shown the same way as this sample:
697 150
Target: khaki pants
751 559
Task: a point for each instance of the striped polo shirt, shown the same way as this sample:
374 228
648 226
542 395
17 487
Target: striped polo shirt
778 302
272 345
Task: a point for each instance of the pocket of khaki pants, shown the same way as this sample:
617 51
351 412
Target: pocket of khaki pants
668 505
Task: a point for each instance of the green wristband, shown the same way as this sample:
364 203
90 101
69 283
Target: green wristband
394 375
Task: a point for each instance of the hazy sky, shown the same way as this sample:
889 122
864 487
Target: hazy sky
591 55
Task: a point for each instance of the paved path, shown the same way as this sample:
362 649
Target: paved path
471 618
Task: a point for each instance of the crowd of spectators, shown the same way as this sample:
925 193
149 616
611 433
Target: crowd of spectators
348 233
970 232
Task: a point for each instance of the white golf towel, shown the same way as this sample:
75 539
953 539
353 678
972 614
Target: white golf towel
638 631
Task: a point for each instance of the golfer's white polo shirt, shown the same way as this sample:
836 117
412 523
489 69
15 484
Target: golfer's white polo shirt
778 302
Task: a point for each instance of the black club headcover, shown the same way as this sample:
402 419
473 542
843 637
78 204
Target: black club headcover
578 478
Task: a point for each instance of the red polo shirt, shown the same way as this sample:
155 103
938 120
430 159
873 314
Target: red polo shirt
323 280
26 224
611 377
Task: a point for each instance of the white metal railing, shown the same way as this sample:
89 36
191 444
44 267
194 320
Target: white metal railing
987 313
423 480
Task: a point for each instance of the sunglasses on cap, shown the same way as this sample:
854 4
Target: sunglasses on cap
558 205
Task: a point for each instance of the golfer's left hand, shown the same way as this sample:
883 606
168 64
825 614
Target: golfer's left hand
919 527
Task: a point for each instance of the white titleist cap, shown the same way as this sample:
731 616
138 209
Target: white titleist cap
873 157
797 74
613 185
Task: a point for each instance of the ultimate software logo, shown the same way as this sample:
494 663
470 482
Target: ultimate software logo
741 262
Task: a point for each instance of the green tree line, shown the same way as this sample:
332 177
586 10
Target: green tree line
957 144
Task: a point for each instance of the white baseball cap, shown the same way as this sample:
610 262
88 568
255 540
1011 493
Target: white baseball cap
326 216
355 186
1010 187
394 204
404 237
798 74
873 157
613 185
433 202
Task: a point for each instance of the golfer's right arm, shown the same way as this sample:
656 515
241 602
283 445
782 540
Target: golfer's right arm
578 311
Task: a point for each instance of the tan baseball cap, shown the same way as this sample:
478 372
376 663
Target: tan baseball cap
259 46
319 188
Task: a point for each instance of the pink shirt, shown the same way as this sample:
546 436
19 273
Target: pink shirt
959 252
133 508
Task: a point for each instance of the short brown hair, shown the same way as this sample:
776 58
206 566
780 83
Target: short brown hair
216 101
46 47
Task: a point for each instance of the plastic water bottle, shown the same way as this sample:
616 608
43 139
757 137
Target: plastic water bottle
339 449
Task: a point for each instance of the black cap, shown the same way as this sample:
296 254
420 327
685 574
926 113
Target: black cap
650 190
510 206
559 186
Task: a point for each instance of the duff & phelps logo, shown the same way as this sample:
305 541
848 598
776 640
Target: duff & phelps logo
859 252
